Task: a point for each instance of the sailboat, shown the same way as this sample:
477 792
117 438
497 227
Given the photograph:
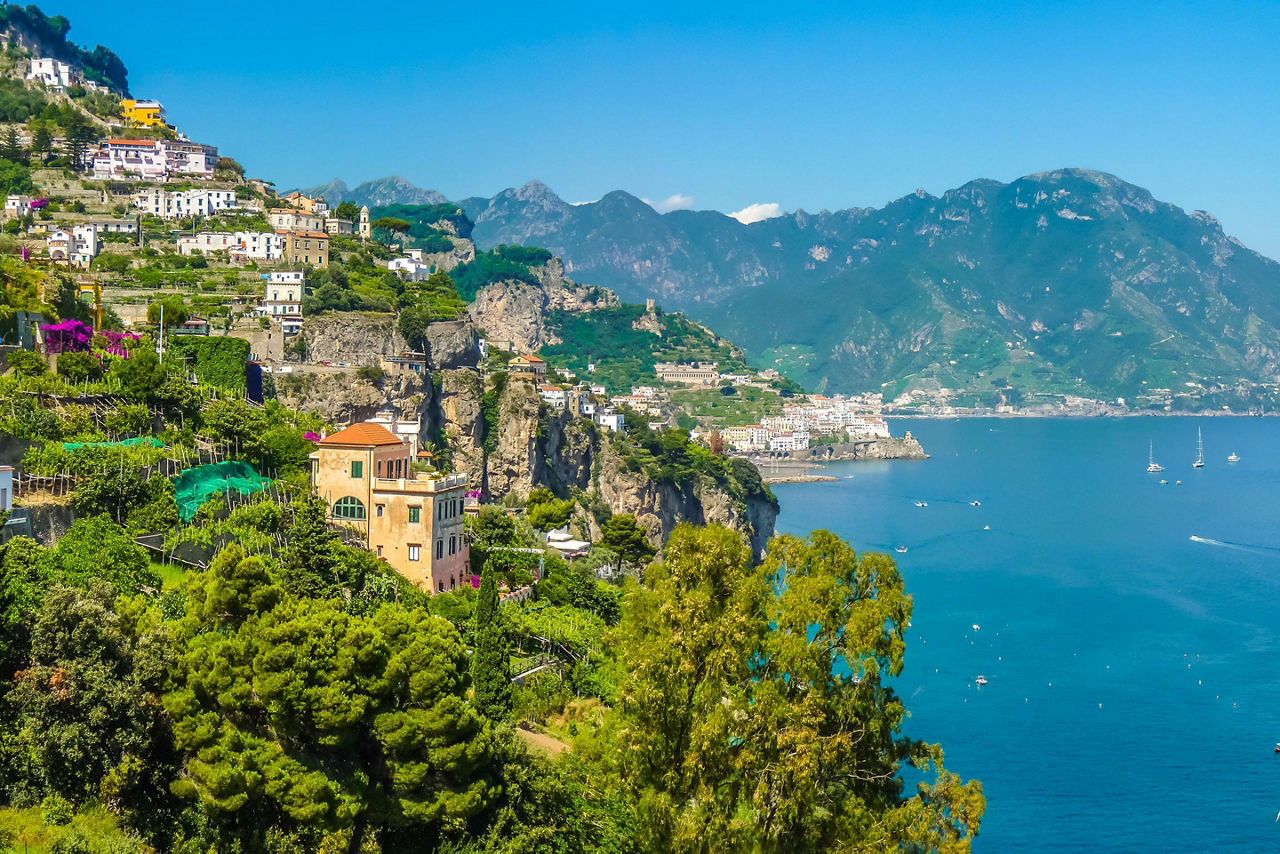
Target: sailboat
1152 465
1199 463
1233 458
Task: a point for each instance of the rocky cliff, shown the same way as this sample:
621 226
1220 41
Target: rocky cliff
511 442
513 314
366 338
343 398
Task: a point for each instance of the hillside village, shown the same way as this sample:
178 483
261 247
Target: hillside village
154 239
246 435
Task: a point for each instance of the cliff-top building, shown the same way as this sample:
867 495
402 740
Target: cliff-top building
414 523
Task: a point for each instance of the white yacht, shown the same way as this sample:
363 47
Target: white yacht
1233 458
1199 463
1152 465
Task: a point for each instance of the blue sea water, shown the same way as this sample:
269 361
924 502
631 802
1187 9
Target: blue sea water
1134 697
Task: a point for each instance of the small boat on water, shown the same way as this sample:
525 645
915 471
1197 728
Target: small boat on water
1162 480
1199 463
922 503
975 503
901 550
1152 465
981 680
1233 458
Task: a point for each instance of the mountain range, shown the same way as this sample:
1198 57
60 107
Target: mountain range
1070 281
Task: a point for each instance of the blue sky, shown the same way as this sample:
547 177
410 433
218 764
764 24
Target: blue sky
814 105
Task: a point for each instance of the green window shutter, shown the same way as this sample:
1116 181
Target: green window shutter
357 468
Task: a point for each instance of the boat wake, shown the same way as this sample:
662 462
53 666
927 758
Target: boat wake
1243 547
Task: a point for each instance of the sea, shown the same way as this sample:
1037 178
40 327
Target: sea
1128 628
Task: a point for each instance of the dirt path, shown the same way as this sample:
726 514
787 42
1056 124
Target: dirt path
542 742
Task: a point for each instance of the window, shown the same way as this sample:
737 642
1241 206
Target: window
453 505
357 468
348 508
378 510
452 547
440 511
453 582
439 548
379 469
415 515
379 551
442 585
414 551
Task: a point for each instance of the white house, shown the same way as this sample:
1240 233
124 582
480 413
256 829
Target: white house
77 246
241 246
53 73
409 270
184 203
287 219
6 489
17 205
552 395
797 441
283 296
152 159
609 420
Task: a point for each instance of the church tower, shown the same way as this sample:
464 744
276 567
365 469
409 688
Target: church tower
365 231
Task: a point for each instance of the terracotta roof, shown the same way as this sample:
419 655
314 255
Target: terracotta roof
148 143
526 359
364 434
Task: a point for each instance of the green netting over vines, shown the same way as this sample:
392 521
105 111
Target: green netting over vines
149 441
194 486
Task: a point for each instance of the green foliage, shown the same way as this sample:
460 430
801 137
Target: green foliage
97 548
18 103
545 511
173 309
358 722
140 375
218 361
25 363
750 748
79 366
348 211
425 303
624 537
354 284
426 221
89 720
575 585
625 356
489 660
486 269
120 493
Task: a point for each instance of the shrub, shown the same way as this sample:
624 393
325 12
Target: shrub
55 810
79 366
27 364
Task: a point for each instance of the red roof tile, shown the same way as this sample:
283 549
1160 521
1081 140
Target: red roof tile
364 434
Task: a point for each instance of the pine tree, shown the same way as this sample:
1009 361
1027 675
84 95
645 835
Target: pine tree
490 671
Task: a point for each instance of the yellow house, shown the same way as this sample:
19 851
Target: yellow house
414 524
142 114
530 367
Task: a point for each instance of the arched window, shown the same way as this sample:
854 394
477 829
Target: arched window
348 508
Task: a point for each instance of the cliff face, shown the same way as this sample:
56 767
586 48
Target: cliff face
343 398
366 338
513 314
503 436
659 507
534 447
354 338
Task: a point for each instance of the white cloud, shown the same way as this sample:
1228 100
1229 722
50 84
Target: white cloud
757 212
677 202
